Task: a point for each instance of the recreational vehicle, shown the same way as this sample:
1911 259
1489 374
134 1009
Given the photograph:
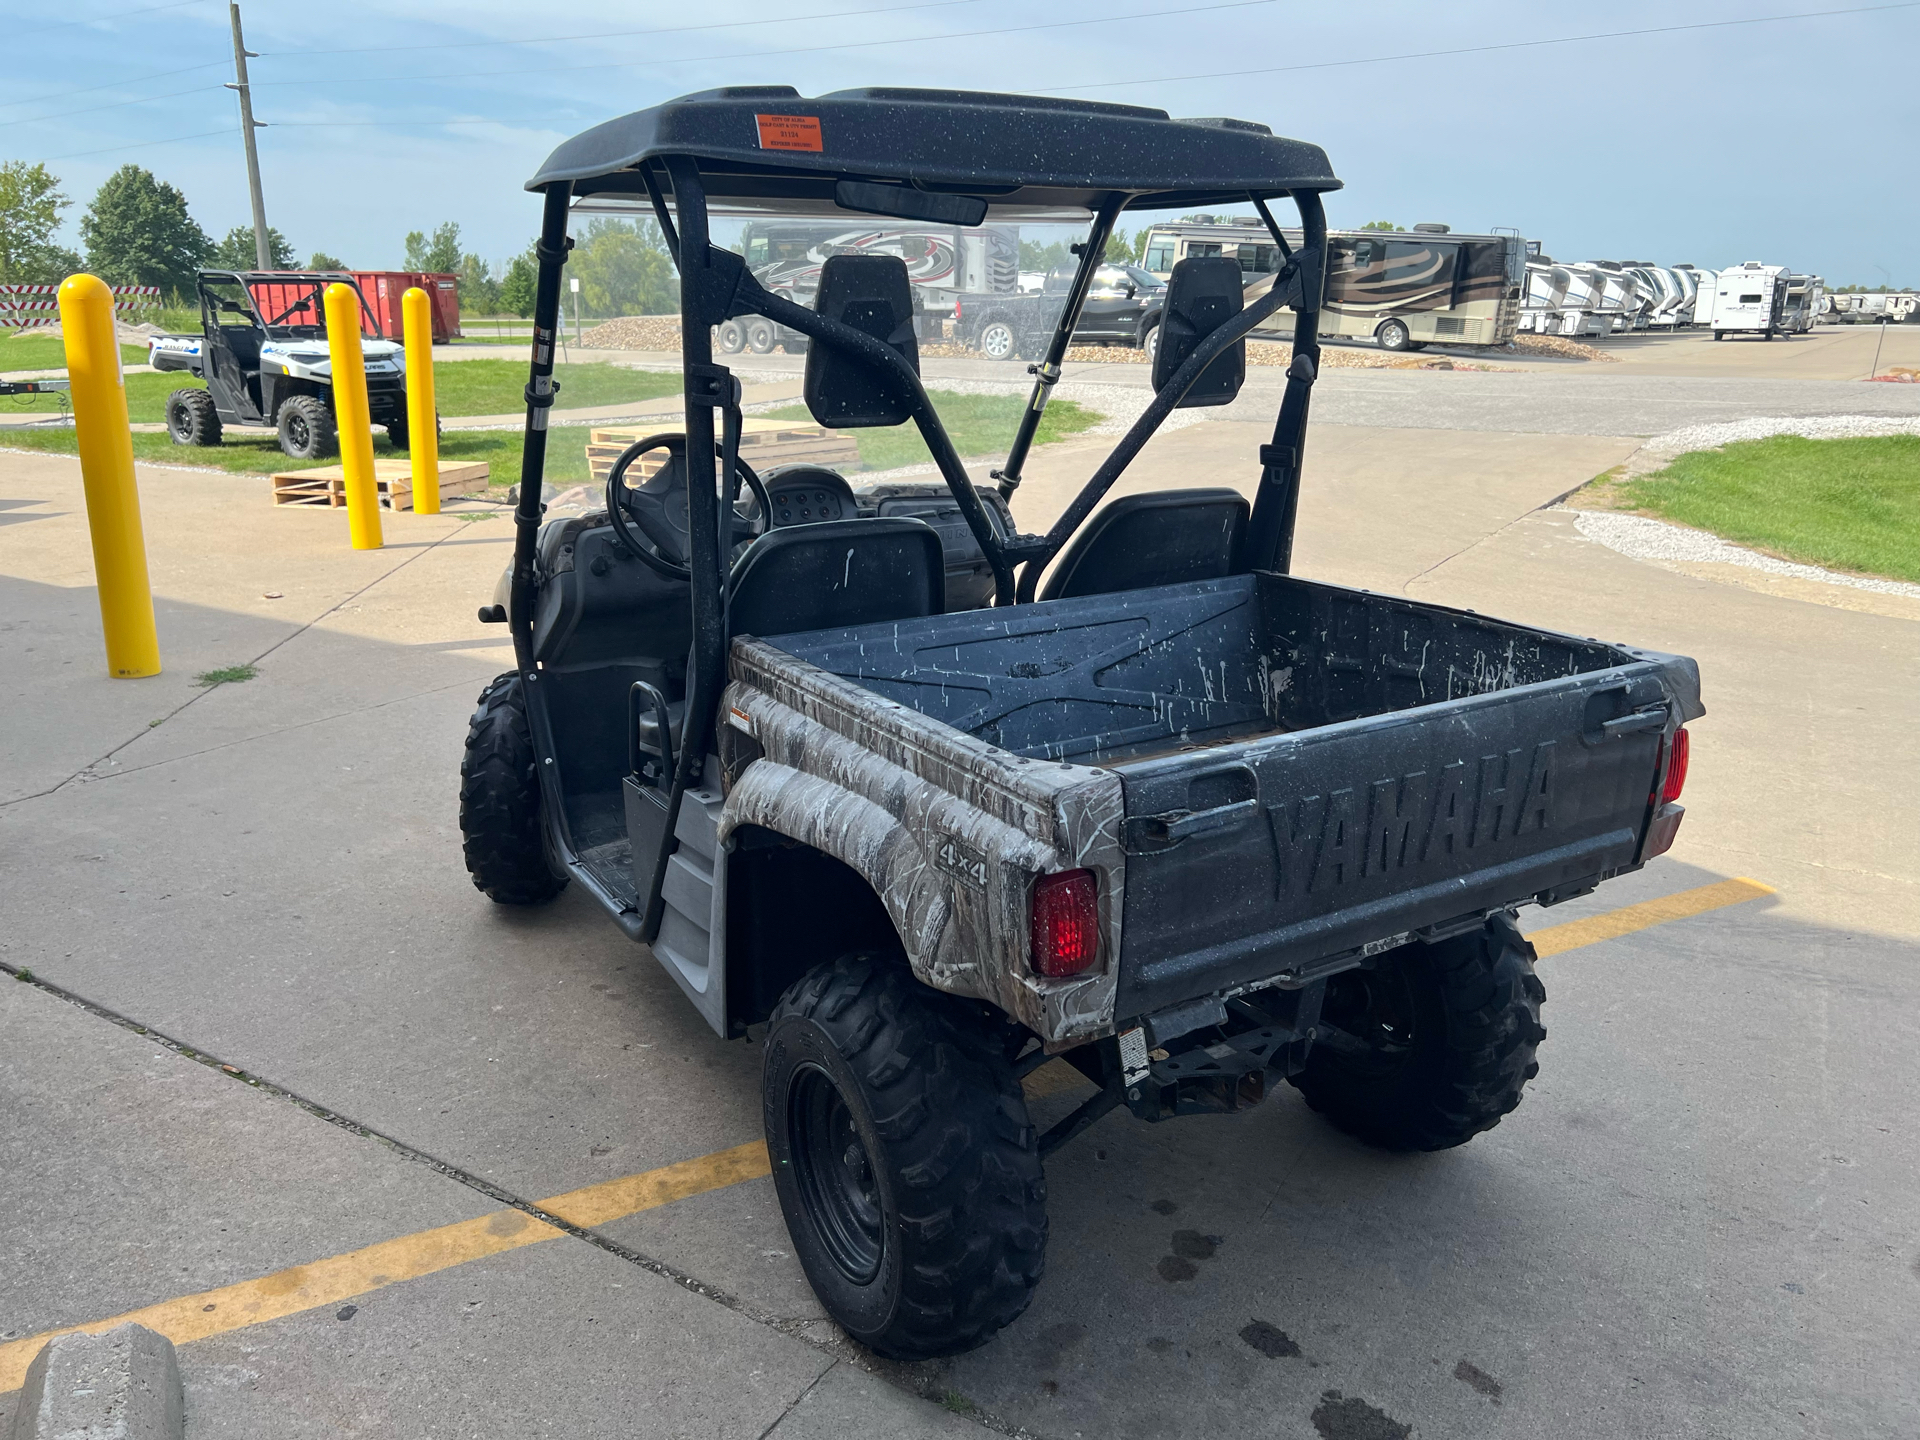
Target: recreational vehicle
1704 283
1403 289
1751 299
1804 294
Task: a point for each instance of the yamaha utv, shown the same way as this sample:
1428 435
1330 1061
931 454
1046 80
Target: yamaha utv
935 800
263 353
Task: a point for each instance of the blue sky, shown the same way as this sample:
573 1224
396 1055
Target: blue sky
1789 142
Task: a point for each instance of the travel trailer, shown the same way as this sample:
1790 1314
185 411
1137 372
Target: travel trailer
1750 299
1400 288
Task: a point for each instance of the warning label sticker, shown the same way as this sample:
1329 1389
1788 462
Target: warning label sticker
789 132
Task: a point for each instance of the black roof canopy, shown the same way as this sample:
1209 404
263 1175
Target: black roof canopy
768 142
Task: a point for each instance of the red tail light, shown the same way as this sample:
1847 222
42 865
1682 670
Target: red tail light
1676 767
956 309
1066 927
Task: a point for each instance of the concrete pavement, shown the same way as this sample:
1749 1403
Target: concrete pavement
1698 1222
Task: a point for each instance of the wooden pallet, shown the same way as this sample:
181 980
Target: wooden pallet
763 445
327 485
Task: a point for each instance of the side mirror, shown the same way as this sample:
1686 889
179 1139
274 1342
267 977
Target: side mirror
1132 291
1204 294
871 293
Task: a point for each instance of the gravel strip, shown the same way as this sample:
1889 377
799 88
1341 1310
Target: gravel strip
1640 538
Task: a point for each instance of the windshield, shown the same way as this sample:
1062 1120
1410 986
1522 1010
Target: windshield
977 325
287 308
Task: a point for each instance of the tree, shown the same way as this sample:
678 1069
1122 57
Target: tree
1125 249
1035 256
236 252
323 261
518 284
623 269
138 232
1382 225
438 254
479 292
30 206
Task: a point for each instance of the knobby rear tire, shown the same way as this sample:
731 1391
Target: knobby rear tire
948 1168
500 802
1472 1005
192 419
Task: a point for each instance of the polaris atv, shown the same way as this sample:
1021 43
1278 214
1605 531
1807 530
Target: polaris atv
263 353
928 802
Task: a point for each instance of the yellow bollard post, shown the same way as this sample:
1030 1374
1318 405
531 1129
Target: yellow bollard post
106 470
423 421
350 413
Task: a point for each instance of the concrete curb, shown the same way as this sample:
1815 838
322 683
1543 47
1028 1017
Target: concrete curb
124 1385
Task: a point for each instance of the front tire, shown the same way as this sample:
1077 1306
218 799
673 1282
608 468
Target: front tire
1394 335
1431 1045
307 429
500 802
191 418
1150 342
905 1163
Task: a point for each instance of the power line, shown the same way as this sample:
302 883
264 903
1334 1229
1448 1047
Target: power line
1098 85
142 145
113 84
1182 10
1478 49
117 104
102 19
626 34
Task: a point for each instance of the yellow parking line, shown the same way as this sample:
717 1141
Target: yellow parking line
1558 939
341 1277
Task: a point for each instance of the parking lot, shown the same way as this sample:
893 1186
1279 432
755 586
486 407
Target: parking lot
393 1160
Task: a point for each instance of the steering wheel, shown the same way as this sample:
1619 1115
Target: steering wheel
651 507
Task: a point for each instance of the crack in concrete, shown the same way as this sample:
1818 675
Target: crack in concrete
85 772
836 1348
1493 534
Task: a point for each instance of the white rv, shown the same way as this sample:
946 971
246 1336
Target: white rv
1750 299
1705 282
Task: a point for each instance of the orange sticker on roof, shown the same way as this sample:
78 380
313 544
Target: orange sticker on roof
789 132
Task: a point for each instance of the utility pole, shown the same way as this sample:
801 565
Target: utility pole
262 252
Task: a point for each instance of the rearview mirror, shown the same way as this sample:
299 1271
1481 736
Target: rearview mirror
871 293
1204 294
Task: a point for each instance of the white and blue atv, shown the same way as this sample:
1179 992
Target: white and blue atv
263 355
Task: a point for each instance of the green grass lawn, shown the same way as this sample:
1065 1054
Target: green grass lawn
1843 504
39 352
977 424
461 387
566 452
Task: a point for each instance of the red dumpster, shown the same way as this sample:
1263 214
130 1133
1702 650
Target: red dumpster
384 289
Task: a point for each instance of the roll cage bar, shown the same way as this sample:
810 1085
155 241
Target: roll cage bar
716 286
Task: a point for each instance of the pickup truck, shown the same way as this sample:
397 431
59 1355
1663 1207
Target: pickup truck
922 802
1123 307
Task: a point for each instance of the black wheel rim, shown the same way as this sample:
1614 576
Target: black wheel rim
1376 1008
297 431
837 1185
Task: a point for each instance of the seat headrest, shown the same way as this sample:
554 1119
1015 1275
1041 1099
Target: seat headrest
871 293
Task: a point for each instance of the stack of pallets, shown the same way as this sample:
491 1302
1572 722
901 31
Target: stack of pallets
763 445
327 485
